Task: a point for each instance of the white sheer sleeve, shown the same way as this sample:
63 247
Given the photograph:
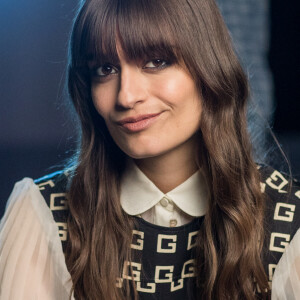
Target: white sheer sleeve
286 280
32 263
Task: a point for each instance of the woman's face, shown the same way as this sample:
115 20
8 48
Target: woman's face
150 108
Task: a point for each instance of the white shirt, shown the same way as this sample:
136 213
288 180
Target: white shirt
140 197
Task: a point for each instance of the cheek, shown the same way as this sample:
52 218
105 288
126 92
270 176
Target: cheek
167 89
186 103
103 98
177 90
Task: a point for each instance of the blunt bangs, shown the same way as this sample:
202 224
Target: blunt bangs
140 27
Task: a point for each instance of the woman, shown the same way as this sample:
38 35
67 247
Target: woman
163 199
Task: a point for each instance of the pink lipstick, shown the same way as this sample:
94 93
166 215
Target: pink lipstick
138 123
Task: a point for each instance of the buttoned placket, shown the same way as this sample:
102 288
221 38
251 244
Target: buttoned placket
168 205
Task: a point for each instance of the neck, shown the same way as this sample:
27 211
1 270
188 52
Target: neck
169 170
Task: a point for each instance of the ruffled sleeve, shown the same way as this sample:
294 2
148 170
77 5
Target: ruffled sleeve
32 263
286 280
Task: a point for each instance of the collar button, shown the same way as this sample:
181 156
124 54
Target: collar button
173 223
164 202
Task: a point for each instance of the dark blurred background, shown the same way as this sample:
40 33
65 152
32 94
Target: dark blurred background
37 134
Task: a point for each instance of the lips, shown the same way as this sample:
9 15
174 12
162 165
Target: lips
138 123
137 118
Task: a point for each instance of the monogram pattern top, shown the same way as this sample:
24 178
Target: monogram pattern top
163 264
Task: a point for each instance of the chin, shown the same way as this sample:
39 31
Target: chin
141 155
143 152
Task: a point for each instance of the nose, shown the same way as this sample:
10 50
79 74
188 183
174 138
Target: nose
132 89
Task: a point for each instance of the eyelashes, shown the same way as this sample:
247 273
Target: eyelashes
156 64
107 69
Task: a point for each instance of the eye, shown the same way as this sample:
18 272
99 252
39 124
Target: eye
155 63
104 70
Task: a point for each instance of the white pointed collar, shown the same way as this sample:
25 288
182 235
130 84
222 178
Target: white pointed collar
139 193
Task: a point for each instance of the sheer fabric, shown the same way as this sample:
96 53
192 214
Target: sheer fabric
32 263
286 280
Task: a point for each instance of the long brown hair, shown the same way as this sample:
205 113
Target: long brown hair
230 241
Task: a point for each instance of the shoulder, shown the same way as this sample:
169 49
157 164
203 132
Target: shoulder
282 198
278 183
282 214
53 188
44 197
30 241
55 181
